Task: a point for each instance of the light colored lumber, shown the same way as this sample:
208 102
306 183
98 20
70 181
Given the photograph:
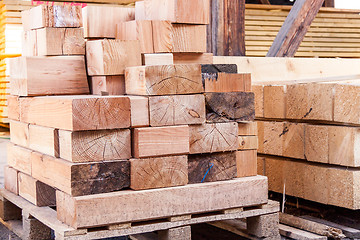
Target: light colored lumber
29 43
247 128
160 141
111 57
163 80
244 192
95 146
19 158
177 110
295 233
139 10
183 11
321 183
137 30
34 76
177 38
259 100
309 101
11 180
227 82
187 58
19 133
212 167
157 59
112 85
60 41
52 16
267 69
346 103
100 20
158 172
294 28
13 107
35 191
281 139
213 137
79 179
230 106
310 226
44 140
246 163
76 113
317 143
248 143
139 111
274 101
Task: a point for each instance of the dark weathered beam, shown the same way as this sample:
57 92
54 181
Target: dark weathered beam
226 32
294 28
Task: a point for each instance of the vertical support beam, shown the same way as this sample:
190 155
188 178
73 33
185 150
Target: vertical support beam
294 28
264 1
226 32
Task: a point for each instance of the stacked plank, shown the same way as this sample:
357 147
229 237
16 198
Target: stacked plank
313 126
163 137
333 33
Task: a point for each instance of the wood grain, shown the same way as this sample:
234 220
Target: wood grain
246 163
178 11
226 82
76 113
215 137
95 146
149 59
44 140
139 111
258 91
19 133
212 167
163 80
248 143
179 201
274 106
112 85
247 128
52 16
11 180
79 179
158 172
231 106
13 107
60 41
35 191
100 20
177 110
19 158
36 76
189 58
111 57
137 30
160 141
346 103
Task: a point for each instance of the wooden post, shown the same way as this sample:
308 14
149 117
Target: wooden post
226 32
294 28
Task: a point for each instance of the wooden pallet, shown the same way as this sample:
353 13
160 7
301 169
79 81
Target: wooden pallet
32 222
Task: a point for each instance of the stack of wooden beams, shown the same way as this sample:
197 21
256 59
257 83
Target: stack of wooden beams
308 126
164 136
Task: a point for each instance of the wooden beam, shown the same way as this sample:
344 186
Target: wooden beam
264 1
294 28
129 206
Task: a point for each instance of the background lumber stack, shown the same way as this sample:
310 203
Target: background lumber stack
155 138
308 126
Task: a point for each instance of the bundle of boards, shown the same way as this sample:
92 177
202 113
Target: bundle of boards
159 134
308 126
